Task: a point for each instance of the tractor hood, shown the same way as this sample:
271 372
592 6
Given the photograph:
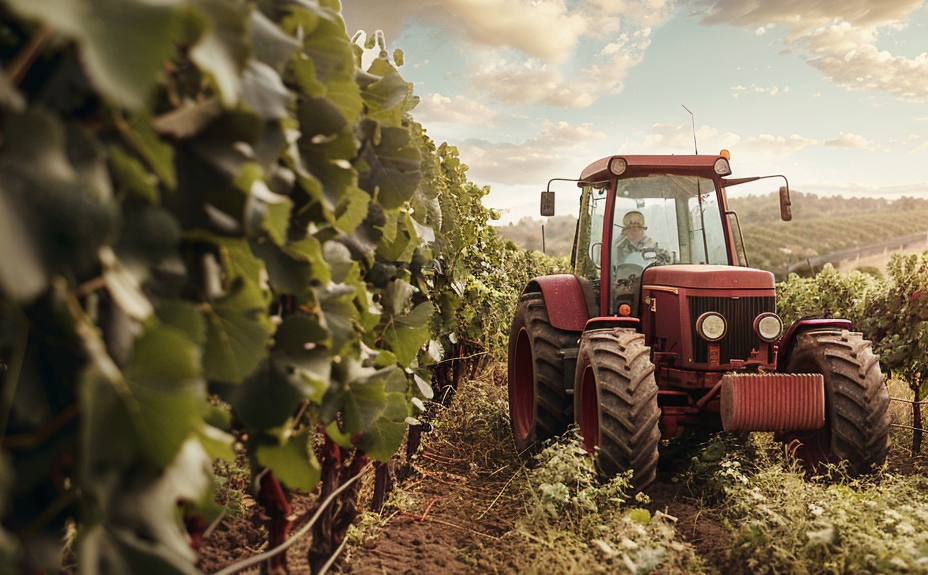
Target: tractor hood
688 276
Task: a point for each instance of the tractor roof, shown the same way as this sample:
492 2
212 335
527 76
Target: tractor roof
702 164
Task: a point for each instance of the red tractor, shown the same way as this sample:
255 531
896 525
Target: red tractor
662 325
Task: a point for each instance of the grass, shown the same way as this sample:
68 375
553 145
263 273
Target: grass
566 519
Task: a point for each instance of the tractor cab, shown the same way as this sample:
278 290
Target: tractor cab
642 211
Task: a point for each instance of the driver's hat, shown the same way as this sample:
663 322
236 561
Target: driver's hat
633 219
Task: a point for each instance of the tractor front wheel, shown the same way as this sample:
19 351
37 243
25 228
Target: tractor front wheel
856 401
538 401
616 404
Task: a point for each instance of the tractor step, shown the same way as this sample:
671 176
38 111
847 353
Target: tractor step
570 366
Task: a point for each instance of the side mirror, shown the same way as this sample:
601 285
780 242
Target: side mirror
786 210
547 204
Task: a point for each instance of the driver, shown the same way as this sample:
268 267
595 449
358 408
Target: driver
633 237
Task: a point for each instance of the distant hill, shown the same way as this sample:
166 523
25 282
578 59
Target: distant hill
821 225
558 234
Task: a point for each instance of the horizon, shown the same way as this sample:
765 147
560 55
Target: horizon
832 94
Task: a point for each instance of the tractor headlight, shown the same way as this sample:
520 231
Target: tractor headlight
711 326
618 166
768 326
722 167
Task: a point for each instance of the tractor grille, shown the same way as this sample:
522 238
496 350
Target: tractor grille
740 314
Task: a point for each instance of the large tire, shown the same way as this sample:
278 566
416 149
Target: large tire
538 402
616 404
856 401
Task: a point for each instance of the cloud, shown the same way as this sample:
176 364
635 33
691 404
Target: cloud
840 37
527 51
803 16
520 82
668 139
867 68
771 145
548 29
508 163
846 140
754 88
436 109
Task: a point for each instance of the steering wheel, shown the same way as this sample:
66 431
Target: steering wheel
627 271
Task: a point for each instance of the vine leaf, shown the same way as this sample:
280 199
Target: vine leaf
300 351
387 95
138 530
270 44
223 49
264 91
162 377
238 333
124 52
294 462
393 162
65 219
376 407
131 178
22 274
329 70
407 333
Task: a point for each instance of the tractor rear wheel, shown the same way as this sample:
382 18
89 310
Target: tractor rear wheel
538 402
856 401
616 404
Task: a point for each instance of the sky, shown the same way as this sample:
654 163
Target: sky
831 93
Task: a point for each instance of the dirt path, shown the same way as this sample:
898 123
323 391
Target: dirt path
465 521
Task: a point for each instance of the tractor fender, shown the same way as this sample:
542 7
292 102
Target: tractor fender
801 326
565 299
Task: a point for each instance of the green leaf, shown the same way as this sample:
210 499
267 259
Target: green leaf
406 334
22 274
397 298
158 155
65 220
270 43
339 314
376 410
302 354
339 261
404 242
394 168
124 286
330 51
123 43
189 119
293 268
223 50
294 462
343 440
352 208
137 530
131 178
264 91
387 95
162 377
238 259
238 333
184 316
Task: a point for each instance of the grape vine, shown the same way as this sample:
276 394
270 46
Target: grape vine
218 229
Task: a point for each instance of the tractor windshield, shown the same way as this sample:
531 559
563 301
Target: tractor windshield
658 219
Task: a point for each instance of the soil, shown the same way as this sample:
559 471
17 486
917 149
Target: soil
459 512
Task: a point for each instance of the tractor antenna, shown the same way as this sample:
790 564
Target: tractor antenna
693 120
